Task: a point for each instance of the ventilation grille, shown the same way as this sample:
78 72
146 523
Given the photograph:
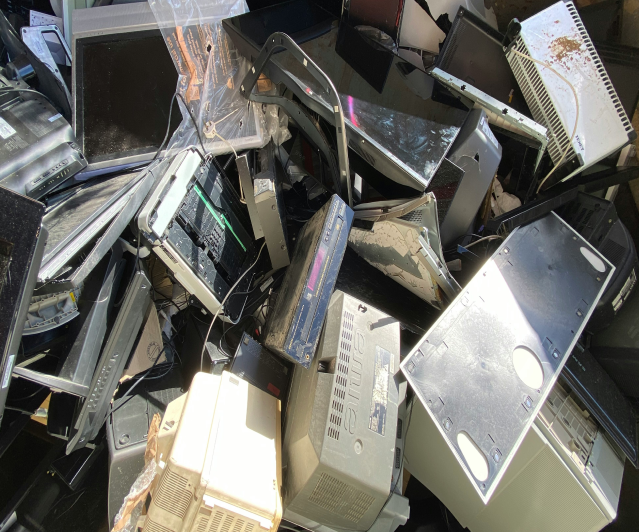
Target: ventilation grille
613 252
398 457
340 498
341 376
152 526
400 426
599 66
539 102
222 521
413 216
172 495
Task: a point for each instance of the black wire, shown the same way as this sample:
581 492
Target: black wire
224 333
139 380
42 387
145 375
229 161
194 123
168 128
4 91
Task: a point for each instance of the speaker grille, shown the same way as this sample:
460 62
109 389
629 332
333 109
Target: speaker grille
340 498
561 504
172 495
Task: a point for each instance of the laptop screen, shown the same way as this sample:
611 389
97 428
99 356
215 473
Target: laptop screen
124 86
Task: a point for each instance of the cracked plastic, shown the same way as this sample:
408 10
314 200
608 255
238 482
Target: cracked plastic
210 70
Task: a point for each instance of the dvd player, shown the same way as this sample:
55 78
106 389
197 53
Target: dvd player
294 325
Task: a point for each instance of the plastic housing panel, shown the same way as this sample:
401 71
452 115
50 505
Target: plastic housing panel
557 36
537 292
340 443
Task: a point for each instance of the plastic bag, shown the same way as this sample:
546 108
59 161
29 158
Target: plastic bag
276 124
131 509
210 71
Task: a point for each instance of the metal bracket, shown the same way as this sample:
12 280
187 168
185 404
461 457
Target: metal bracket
281 40
304 121
439 271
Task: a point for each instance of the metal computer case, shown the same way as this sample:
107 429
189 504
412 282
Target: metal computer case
487 365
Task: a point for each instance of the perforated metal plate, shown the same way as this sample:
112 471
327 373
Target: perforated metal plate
536 292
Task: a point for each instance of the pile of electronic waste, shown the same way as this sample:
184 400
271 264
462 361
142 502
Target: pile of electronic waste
377 242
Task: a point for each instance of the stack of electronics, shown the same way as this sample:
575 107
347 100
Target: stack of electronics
295 333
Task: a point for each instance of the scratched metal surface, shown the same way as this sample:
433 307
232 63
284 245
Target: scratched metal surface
410 128
537 291
68 218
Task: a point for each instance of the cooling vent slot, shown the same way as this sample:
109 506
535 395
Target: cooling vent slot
613 252
539 102
413 216
152 526
341 376
599 66
172 495
398 457
226 524
204 526
400 426
340 498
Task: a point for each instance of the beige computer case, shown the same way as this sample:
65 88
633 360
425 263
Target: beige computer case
222 472
547 487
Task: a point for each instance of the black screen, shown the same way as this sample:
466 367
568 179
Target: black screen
125 83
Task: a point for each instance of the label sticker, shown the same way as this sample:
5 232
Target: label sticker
5 129
273 389
7 371
266 284
377 418
55 117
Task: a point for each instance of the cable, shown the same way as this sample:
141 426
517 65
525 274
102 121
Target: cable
574 131
197 130
224 301
139 380
243 318
4 91
42 387
489 237
168 128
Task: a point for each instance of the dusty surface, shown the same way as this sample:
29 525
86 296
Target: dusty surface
564 47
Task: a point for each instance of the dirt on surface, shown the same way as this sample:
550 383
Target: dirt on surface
563 47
